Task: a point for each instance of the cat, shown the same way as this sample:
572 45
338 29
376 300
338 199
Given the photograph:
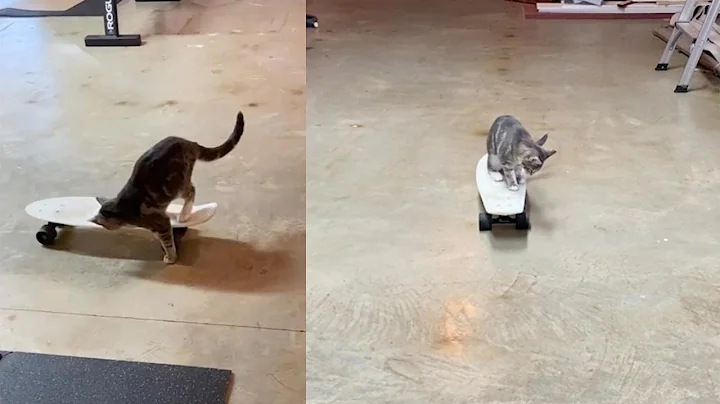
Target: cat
512 153
162 174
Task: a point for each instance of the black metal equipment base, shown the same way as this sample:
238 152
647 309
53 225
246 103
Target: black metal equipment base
28 378
113 40
111 25
310 21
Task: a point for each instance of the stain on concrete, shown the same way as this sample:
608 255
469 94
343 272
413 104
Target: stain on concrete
166 104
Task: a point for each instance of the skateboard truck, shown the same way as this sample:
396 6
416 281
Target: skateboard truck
521 220
48 233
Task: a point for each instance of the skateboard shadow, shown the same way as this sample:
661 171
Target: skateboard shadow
203 262
507 238
538 217
129 245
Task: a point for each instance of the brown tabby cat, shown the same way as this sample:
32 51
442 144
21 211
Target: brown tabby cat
160 175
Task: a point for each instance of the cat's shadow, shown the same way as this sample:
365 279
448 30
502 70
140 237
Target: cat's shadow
203 262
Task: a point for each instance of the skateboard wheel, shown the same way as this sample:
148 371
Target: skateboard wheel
522 221
179 232
485 222
46 235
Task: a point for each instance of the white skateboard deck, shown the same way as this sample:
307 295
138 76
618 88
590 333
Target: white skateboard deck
496 197
77 211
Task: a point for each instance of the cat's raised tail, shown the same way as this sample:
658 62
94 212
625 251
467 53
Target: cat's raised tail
214 153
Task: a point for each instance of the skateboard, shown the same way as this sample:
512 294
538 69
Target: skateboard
501 204
76 211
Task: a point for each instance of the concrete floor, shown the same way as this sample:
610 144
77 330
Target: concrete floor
611 298
72 122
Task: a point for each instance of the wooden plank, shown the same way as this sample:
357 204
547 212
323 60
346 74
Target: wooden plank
683 46
607 4
612 4
693 27
680 2
531 13
523 1
39 5
608 9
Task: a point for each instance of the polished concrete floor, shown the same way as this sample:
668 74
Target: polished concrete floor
72 122
613 297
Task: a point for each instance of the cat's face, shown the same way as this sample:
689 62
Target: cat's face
534 160
109 215
532 164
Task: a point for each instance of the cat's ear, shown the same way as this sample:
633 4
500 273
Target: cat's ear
102 200
542 140
549 153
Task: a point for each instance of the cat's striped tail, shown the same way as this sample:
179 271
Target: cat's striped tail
214 153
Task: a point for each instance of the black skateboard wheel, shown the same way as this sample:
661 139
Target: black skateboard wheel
522 221
46 235
179 232
485 222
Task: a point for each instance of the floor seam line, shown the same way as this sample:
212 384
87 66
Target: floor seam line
160 320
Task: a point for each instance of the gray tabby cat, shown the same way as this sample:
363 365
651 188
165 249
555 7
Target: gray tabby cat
512 153
160 175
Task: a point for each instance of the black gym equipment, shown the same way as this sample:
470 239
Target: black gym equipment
311 21
112 35
520 220
52 379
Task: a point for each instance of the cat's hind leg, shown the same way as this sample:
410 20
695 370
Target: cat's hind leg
188 196
510 179
494 167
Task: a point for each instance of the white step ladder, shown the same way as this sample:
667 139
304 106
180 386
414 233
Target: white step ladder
685 25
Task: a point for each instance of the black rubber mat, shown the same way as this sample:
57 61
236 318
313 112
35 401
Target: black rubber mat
27 378
86 8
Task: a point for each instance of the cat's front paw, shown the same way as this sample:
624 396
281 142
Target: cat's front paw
169 260
496 176
513 187
184 217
